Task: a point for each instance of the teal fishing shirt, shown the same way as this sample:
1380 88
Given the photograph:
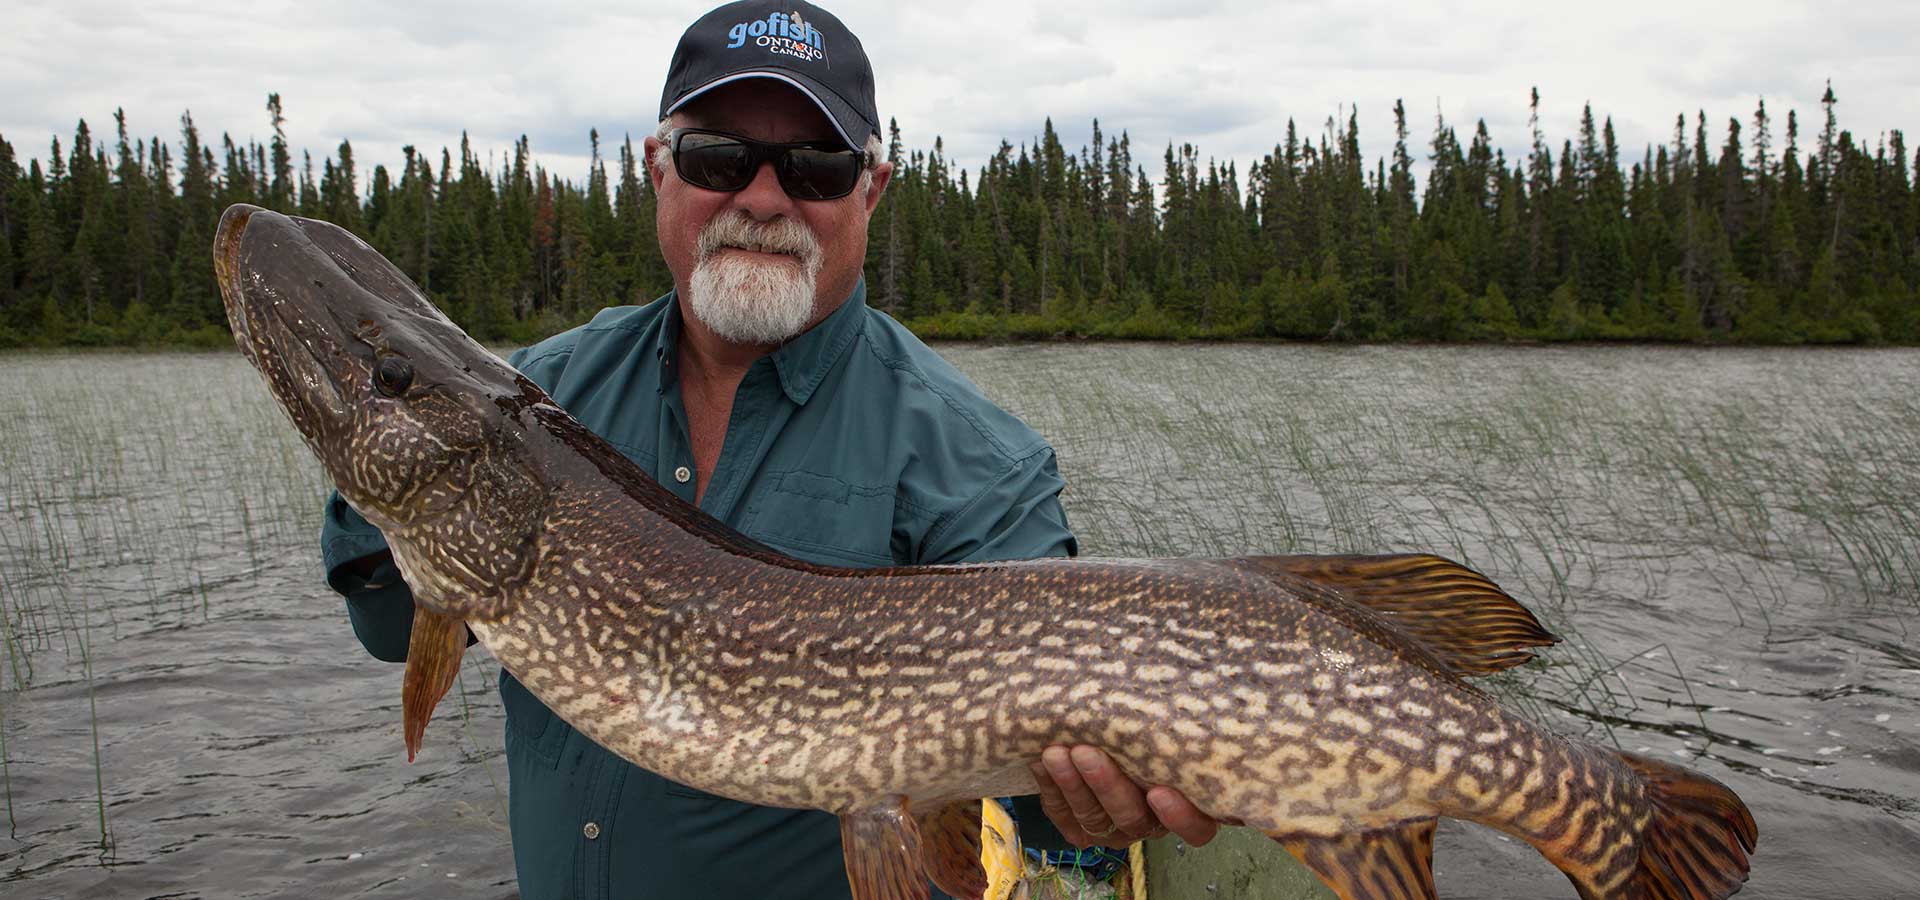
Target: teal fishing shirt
854 444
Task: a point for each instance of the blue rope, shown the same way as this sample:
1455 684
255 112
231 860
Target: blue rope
1098 863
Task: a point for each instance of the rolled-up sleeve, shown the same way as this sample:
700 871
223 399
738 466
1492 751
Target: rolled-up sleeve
1015 515
379 606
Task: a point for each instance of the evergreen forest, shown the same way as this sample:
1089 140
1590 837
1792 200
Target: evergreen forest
1747 230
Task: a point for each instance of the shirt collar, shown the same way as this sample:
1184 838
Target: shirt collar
805 361
666 344
802 363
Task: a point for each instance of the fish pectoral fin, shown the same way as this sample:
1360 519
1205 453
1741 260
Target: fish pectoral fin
1458 614
1389 864
433 662
882 846
950 845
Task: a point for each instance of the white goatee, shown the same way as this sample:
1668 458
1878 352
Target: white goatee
755 301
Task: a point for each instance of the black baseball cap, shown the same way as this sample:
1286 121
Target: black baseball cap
795 42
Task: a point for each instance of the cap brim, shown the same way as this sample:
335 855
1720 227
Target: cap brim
845 121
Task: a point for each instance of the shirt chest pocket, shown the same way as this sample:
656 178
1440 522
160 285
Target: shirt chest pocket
825 519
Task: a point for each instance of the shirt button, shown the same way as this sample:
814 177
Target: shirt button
591 830
682 474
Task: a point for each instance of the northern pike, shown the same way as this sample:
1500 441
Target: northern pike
1322 700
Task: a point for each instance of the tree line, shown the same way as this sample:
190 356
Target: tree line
109 243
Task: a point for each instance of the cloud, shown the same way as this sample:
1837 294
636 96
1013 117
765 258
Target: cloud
1223 74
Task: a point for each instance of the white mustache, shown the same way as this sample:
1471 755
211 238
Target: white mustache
781 235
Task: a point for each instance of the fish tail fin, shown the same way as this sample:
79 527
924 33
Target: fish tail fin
1697 845
1691 840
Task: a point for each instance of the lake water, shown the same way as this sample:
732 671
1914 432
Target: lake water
1727 538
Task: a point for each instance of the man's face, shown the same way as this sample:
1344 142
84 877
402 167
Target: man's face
757 266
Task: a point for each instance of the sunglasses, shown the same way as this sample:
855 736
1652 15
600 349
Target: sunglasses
811 170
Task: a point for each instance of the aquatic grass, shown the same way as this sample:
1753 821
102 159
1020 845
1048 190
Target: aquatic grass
83 636
484 752
1556 478
19 664
16 658
117 498
6 770
141 493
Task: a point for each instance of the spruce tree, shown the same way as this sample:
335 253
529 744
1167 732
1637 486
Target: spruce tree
9 177
105 241
280 188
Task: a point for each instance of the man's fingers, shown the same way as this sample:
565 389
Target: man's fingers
1121 801
1054 803
1092 802
1180 816
1080 798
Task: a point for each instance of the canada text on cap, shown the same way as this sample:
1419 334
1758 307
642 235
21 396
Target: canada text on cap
798 43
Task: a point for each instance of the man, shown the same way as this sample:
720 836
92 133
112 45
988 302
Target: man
763 389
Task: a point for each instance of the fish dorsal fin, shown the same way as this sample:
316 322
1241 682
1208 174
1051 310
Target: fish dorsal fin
950 846
882 845
1389 864
1459 615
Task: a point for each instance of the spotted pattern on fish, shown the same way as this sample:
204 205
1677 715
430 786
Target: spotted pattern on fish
822 688
1319 699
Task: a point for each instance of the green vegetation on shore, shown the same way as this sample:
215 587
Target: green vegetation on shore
110 244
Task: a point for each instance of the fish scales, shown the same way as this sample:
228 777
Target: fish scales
842 659
1319 699
783 684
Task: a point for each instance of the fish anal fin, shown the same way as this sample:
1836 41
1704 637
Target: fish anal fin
950 846
882 846
1388 864
434 651
1459 615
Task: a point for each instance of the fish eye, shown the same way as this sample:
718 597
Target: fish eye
392 376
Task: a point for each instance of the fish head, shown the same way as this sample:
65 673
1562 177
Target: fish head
422 429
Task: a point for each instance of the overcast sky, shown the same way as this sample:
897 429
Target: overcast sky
1225 76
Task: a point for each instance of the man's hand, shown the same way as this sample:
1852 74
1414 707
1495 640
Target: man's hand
1092 802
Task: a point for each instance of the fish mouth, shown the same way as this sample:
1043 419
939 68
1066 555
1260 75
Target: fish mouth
226 270
280 322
